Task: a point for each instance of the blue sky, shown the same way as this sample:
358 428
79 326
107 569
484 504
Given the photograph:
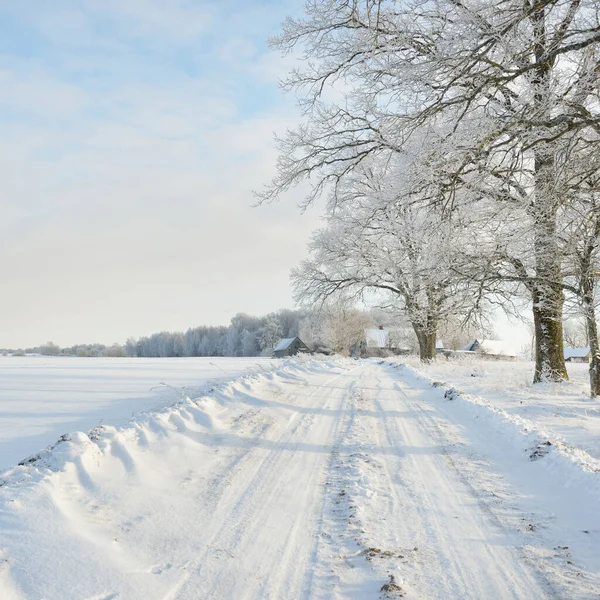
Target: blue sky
131 135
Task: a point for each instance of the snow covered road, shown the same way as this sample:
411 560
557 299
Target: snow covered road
319 480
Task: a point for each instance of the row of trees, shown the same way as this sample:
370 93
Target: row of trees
338 327
52 349
335 329
245 336
457 143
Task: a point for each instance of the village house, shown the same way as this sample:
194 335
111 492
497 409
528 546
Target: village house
383 342
580 355
377 337
497 349
289 347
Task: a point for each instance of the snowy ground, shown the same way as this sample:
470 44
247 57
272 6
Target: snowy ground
42 398
564 412
322 479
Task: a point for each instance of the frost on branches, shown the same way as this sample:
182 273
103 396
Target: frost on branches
385 235
510 88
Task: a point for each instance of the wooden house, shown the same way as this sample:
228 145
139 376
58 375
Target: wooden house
581 355
497 349
289 347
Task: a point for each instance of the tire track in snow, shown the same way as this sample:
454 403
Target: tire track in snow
349 562
442 504
237 517
331 530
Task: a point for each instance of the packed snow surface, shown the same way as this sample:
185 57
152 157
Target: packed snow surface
42 398
320 479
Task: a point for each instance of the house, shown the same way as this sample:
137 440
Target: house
491 348
375 343
441 350
377 338
383 342
289 347
580 355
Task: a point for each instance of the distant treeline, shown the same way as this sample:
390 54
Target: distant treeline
52 349
337 327
245 336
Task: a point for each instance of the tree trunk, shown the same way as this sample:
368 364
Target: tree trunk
549 350
546 289
594 354
548 298
592 334
427 339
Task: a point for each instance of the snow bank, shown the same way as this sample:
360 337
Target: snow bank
205 414
41 398
564 410
535 441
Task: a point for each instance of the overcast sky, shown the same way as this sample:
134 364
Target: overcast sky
131 135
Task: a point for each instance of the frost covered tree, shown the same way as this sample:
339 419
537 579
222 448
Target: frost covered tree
233 341
270 333
50 349
384 236
456 334
515 82
575 334
249 343
130 347
342 326
116 350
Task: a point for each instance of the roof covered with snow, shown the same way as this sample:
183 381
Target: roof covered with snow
496 347
284 344
576 352
377 338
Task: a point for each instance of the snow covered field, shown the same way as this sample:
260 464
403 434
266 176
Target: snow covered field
41 398
320 479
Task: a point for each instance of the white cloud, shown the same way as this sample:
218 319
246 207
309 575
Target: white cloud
38 93
126 198
176 18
